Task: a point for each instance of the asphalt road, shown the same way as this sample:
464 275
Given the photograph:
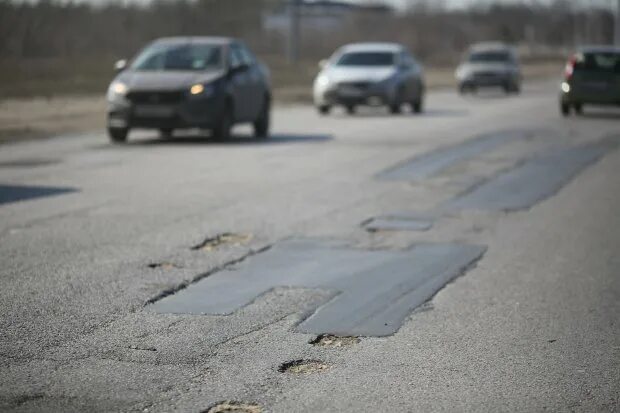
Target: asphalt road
505 210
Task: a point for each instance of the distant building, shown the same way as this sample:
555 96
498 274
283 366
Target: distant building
321 15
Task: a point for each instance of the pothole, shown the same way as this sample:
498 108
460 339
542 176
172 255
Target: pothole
303 367
232 406
220 240
163 266
328 340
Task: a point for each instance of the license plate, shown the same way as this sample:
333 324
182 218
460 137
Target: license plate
348 91
154 111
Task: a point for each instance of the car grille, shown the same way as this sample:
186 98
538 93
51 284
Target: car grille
486 75
146 97
356 85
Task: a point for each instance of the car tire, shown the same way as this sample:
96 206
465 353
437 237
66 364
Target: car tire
417 106
225 123
261 125
565 109
350 109
118 135
324 109
578 108
166 133
396 106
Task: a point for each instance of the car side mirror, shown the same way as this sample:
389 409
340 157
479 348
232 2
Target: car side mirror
322 64
120 65
238 69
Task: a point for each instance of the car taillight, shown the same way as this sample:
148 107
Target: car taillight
570 67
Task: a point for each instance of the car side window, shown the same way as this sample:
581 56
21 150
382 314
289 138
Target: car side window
236 57
247 56
408 61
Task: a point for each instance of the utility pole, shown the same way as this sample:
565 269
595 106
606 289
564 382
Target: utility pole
294 35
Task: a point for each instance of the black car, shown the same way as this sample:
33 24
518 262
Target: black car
190 82
591 76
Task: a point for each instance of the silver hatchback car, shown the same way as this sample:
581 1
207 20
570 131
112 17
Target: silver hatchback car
489 65
375 74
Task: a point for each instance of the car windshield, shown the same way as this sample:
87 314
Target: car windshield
366 59
601 62
184 57
490 57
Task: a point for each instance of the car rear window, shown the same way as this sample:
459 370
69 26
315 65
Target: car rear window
490 57
599 62
366 59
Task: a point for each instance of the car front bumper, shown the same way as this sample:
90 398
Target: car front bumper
497 79
190 112
343 94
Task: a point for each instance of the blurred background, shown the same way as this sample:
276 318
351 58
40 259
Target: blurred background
56 48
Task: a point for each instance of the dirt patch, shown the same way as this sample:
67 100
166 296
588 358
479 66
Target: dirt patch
328 340
220 240
303 367
232 406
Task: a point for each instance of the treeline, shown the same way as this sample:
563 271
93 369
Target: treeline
49 29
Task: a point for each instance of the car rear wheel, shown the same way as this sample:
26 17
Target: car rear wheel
224 123
261 125
351 109
324 109
166 132
118 135
578 108
417 105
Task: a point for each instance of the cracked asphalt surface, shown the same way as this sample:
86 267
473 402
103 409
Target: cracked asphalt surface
532 326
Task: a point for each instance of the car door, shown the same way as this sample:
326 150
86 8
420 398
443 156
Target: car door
410 82
256 84
240 83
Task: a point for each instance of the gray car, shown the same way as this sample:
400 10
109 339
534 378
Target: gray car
489 65
372 74
190 82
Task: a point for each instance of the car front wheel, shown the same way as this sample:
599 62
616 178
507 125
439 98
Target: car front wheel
224 123
261 125
118 135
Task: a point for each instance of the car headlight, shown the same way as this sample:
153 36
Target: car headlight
200 90
461 73
117 89
322 81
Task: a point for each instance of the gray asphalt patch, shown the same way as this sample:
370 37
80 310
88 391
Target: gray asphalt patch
398 223
432 163
533 181
28 163
15 193
374 290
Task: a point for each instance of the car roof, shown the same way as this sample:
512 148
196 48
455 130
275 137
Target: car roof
373 47
220 41
599 49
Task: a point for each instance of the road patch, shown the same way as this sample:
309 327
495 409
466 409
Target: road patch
16 193
374 290
397 223
432 163
532 181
